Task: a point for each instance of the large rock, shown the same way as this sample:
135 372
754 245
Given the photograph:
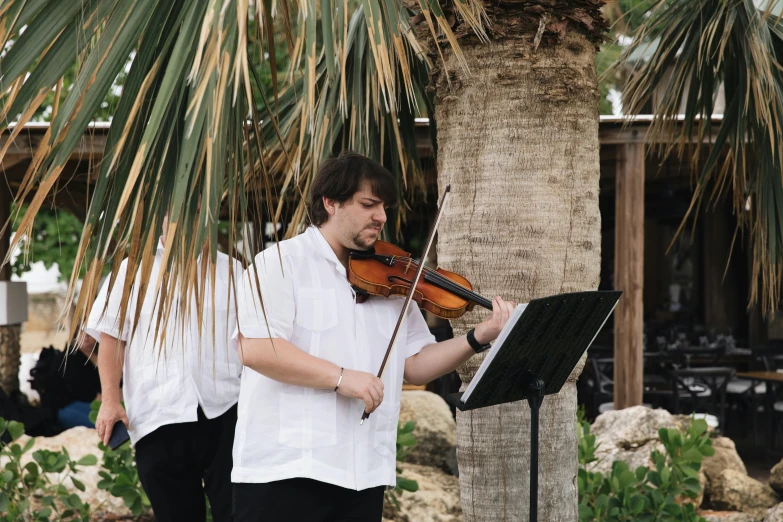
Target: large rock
436 431
727 516
80 442
629 435
776 477
437 499
734 491
775 514
725 457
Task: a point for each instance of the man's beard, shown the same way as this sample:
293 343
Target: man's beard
365 244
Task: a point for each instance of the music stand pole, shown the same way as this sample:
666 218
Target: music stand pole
535 398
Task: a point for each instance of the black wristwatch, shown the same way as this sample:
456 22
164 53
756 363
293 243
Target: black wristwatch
477 347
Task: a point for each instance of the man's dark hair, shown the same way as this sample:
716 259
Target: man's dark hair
339 179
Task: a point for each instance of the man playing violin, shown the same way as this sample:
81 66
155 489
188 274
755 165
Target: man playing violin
311 352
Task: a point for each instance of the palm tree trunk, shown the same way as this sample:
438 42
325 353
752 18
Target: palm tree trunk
518 142
9 357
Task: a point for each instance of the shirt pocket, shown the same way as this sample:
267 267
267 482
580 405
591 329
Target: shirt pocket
316 309
385 432
158 380
158 368
308 420
386 315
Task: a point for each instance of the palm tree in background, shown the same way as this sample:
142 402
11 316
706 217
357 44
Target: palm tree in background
693 49
198 132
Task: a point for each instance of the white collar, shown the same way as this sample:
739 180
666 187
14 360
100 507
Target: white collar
324 248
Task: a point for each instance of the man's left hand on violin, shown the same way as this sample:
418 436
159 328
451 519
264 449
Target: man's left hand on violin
488 330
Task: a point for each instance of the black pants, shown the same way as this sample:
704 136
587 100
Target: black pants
178 463
306 500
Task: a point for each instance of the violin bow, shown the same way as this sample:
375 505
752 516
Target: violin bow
412 289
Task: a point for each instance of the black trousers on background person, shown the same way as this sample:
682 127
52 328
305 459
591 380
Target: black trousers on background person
306 500
179 463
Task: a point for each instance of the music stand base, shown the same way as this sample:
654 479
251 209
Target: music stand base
534 399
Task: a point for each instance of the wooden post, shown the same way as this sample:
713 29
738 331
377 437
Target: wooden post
629 276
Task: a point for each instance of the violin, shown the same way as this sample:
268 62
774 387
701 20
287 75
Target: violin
387 270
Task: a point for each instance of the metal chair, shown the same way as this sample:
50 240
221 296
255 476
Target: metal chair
701 390
598 384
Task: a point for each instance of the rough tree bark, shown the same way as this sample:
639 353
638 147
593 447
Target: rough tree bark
518 142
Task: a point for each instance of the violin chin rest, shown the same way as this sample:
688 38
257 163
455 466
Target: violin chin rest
362 254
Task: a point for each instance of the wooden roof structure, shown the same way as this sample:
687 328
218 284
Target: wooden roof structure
80 173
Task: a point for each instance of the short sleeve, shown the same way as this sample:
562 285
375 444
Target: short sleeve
270 315
105 312
419 334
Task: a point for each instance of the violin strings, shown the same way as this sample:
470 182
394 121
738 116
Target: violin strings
433 273
461 291
452 285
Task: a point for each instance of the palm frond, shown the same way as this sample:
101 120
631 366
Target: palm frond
193 135
695 48
348 114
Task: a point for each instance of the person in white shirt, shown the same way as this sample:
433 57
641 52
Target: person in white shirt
311 354
180 396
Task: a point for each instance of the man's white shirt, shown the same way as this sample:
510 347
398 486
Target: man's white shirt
165 384
286 431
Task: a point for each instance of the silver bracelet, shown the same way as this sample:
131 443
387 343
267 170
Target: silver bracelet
342 370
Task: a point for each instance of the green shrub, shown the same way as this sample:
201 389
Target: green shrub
647 494
405 443
27 492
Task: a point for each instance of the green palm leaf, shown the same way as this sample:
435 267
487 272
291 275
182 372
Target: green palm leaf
696 47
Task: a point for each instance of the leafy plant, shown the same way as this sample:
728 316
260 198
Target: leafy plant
27 492
119 474
405 443
659 493
56 237
121 479
586 441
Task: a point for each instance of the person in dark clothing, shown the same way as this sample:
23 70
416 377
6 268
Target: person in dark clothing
82 382
67 382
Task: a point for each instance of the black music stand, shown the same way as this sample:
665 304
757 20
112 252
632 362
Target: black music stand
535 357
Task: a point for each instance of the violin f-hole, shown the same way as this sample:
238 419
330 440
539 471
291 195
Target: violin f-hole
393 278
